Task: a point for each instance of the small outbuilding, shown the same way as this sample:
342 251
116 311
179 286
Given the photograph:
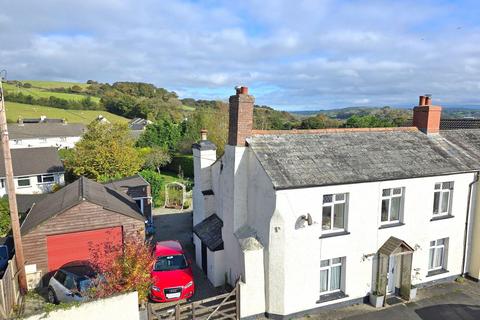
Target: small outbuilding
67 224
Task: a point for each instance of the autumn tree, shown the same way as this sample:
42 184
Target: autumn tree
123 268
157 158
105 152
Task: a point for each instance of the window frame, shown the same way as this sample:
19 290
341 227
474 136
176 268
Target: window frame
332 212
24 178
389 197
329 276
443 247
41 178
441 190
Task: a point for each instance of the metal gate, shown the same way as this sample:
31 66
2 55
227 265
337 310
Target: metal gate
224 306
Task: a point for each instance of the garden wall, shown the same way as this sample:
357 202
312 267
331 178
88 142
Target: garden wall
122 307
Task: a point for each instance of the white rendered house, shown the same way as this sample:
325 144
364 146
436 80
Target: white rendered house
315 218
45 134
36 170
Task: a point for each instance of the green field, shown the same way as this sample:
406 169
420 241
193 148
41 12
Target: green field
43 93
15 110
54 84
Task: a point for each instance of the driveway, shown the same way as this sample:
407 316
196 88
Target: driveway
177 225
451 301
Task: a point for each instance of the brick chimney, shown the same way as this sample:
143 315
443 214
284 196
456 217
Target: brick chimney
241 117
426 117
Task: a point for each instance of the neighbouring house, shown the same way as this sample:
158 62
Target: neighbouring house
35 170
139 190
45 134
313 218
67 225
42 119
137 126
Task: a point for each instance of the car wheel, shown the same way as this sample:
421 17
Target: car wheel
52 298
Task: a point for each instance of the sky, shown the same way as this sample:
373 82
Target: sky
293 55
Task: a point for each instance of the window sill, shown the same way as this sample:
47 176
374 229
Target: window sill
442 217
332 296
334 234
436 272
391 225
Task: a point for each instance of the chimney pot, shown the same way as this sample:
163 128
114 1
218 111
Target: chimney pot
203 134
421 101
241 90
428 99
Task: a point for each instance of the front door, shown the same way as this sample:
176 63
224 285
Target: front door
391 275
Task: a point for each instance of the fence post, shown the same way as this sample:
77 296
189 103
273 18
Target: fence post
3 301
237 299
193 310
177 312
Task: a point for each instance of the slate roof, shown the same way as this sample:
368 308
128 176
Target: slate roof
128 182
44 130
73 194
138 124
210 232
32 161
351 156
393 244
25 201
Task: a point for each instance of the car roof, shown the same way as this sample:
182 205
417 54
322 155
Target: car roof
169 247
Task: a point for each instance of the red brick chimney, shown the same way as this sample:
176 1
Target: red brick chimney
426 117
241 117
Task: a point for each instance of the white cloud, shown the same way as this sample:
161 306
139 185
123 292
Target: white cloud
309 54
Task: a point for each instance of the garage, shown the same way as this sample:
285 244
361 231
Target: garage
64 248
76 221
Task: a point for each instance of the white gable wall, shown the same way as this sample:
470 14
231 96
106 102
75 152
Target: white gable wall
295 254
39 142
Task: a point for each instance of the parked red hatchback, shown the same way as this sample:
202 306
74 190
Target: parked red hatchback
172 274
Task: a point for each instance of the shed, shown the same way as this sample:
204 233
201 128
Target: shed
67 225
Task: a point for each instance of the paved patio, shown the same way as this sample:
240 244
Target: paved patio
451 301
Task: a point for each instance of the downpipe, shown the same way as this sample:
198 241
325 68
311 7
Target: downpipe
467 225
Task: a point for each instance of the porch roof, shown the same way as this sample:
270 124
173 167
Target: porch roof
393 244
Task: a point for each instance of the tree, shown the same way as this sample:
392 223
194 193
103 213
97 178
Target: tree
163 134
368 121
157 183
4 217
157 158
105 152
123 268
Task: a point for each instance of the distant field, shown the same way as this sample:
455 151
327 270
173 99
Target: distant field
187 108
54 84
42 93
14 110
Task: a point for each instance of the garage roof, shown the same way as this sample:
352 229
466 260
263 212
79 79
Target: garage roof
81 190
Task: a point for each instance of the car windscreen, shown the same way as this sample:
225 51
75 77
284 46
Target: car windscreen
168 263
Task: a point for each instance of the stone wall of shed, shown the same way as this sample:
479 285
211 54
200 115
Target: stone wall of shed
82 217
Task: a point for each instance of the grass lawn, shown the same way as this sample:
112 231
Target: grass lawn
42 93
14 110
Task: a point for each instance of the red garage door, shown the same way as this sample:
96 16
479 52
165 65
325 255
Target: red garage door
68 247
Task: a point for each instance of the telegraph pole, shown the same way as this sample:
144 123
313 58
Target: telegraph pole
12 199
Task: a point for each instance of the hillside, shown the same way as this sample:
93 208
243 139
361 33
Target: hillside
15 110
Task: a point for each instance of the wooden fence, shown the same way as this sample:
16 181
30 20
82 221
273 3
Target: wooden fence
9 289
221 307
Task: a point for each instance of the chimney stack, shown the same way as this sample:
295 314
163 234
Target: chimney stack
203 134
241 117
426 117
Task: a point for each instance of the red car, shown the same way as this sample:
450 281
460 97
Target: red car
172 275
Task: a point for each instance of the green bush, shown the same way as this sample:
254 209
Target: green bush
181 163
4 217
157 184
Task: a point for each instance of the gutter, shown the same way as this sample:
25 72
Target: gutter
467 218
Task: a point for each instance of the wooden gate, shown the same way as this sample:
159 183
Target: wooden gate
224 306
